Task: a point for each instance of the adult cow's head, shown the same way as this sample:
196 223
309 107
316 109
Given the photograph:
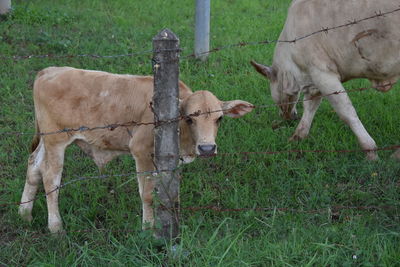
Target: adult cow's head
202 112
285 90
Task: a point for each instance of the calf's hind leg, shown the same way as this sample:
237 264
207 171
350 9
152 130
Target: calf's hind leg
33 177
52 180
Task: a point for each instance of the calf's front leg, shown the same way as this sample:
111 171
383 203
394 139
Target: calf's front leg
141 147
329 83
146 185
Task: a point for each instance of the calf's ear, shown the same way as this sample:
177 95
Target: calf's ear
268 72
236 108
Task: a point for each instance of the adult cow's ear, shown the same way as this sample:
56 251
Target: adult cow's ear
268 72
236 108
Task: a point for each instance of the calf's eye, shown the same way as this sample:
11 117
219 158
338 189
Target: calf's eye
189 120
219 120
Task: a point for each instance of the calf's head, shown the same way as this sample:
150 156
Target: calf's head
202 112
285 90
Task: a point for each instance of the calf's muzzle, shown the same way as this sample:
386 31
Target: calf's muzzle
206 150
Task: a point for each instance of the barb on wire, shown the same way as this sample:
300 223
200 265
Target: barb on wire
114 126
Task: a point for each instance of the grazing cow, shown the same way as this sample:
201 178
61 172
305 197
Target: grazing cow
66 97
320 63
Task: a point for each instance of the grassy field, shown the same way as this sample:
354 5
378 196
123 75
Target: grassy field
103 217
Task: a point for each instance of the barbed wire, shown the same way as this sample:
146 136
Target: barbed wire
312 211
114 126
301 151
377 14
154 173
76 56
334 213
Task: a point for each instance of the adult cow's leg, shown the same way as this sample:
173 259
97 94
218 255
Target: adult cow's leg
329 83
33 177
310 104
53 166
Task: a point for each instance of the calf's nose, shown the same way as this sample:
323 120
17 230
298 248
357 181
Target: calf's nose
206 150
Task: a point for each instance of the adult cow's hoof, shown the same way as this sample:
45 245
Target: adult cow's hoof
301 132
372 156
296 137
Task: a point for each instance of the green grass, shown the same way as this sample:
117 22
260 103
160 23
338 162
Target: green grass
110 214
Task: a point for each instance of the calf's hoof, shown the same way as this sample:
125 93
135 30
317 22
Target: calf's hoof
25 214
59 233
56 229
146 226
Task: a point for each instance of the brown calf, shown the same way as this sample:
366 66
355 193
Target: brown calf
65 97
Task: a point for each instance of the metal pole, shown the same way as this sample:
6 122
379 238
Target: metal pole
202 29
166 139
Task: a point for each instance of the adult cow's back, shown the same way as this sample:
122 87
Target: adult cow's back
71 98
320 63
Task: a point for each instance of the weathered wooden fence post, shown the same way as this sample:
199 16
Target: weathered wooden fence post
5 6
166 139
202 29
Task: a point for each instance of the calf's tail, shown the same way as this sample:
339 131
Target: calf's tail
36 137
